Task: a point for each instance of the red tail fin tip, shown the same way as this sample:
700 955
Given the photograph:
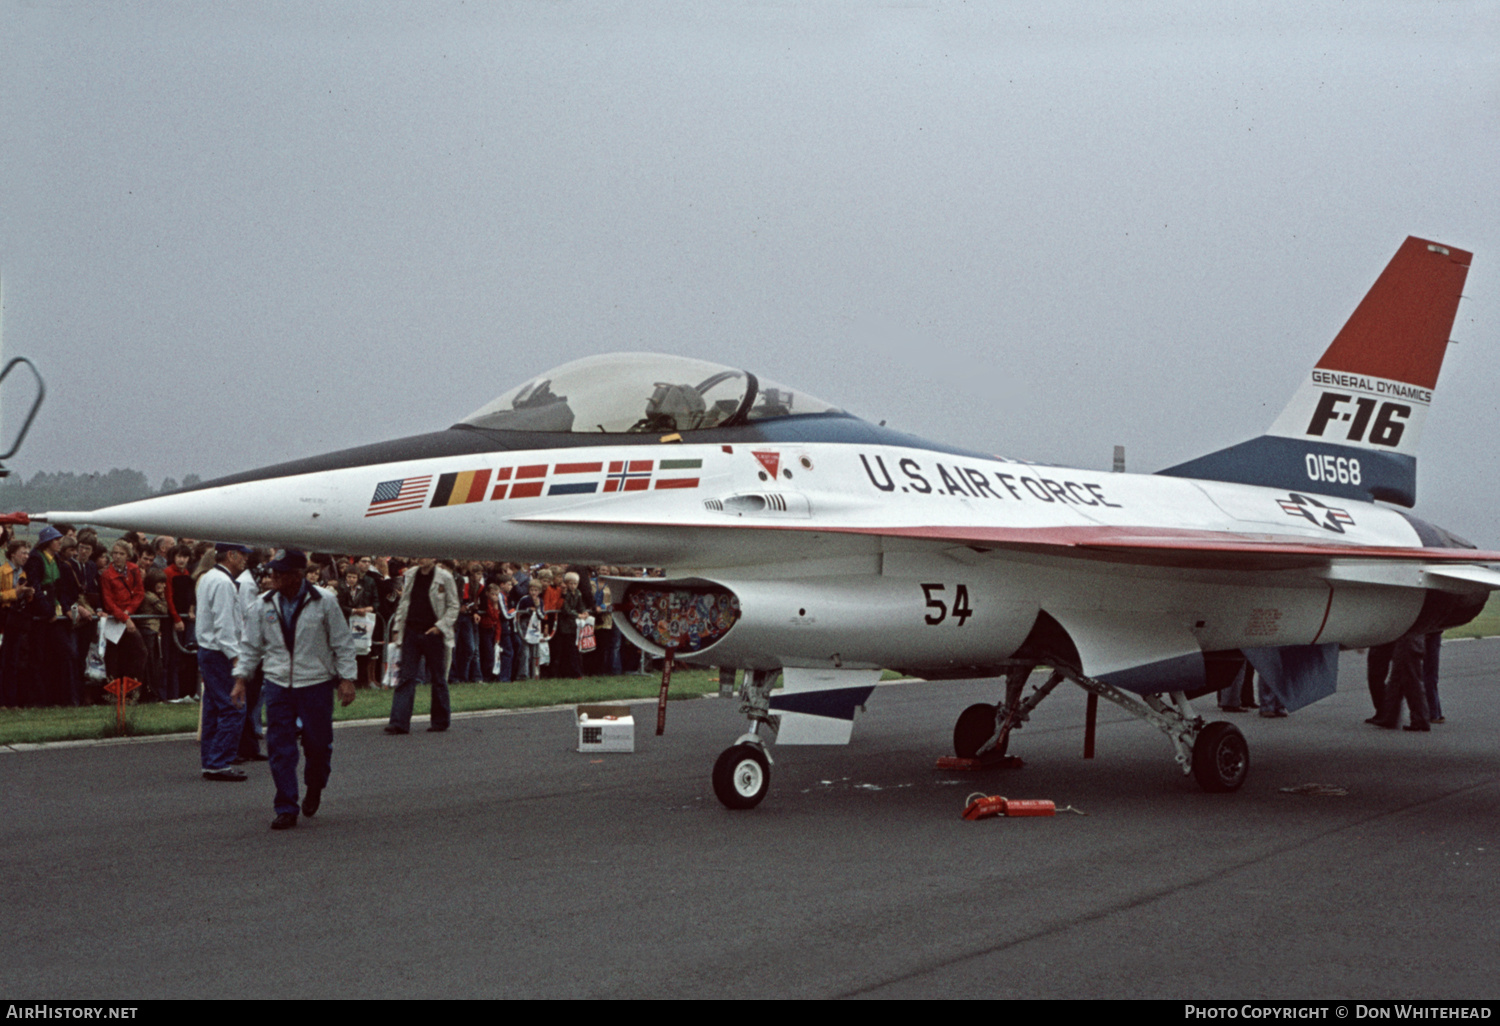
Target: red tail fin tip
1400 330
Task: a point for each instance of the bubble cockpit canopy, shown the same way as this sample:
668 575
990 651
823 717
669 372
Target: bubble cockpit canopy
642 393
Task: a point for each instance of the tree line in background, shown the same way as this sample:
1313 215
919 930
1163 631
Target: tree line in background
66 490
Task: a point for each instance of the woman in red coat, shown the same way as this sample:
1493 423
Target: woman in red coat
124 589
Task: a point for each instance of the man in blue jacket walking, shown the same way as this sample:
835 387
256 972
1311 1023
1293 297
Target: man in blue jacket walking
297 635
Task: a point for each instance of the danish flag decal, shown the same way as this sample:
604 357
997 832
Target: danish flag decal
1297 505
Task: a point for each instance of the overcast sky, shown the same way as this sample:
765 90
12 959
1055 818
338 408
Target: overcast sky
233 234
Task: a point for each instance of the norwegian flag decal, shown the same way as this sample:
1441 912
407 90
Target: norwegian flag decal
628 476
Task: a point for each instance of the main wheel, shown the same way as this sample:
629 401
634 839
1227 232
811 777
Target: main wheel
975 726
742 776
1221 758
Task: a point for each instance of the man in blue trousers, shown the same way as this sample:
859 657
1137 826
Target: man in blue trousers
298 637
221 621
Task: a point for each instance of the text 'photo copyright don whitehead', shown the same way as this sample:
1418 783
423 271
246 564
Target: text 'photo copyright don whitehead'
1337 1010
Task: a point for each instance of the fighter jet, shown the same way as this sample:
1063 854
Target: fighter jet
813 549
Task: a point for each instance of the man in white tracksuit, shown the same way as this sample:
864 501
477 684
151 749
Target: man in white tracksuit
297 635
219 626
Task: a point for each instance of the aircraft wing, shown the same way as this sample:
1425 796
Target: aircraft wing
1179 547
1145 546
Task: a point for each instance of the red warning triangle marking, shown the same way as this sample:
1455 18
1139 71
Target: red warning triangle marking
770 460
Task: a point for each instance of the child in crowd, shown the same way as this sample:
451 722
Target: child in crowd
506 636
497 661
529 632
180 665
467 663
155 604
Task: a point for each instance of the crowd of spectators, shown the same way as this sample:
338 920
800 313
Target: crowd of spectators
76 613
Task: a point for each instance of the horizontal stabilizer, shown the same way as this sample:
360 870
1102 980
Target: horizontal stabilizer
1414 575
1470 574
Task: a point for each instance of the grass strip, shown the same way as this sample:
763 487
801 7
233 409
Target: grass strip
31 726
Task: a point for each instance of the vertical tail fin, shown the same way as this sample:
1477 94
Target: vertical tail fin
1352 428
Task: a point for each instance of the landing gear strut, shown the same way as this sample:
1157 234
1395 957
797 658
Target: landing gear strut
742 774
1215 754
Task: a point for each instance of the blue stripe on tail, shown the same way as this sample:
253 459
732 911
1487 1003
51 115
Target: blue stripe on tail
1307 466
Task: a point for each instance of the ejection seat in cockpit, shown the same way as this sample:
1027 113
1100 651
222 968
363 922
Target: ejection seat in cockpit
672 408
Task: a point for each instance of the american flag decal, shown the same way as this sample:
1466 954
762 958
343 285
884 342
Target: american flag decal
401 494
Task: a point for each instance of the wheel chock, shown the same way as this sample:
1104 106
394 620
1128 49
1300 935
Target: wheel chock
955 762
983 806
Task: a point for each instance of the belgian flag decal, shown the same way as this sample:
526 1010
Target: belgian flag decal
457 489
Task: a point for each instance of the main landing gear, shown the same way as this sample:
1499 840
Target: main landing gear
742 774
1215 754
1221 758
983 731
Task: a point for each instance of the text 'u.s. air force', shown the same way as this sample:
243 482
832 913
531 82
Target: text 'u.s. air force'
1030 485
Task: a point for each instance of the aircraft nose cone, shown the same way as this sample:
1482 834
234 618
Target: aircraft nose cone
278 511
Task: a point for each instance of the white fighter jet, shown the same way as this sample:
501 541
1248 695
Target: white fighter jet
807 545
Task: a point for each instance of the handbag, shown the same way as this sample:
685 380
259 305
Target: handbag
362 626
93 667
586 634
534 629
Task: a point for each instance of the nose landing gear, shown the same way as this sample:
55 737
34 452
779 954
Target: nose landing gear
742 773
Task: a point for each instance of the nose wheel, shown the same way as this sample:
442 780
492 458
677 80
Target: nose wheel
742 776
